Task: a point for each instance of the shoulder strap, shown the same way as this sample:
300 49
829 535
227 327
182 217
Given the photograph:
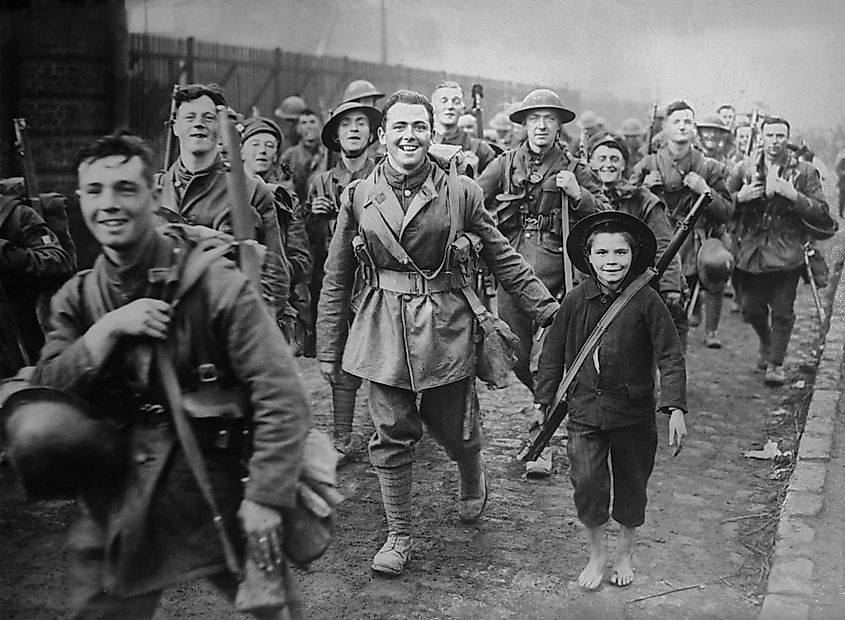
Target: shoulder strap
195 265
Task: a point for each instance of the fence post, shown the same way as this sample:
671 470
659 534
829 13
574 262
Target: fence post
277 77
189 60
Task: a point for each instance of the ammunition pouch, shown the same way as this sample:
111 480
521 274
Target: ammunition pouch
211 399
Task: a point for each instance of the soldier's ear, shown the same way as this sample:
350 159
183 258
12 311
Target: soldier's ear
382 136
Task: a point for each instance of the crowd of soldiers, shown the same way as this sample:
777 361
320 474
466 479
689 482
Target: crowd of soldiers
386 232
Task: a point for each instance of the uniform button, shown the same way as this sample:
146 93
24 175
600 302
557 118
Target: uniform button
598 392
407 192
560 248
141 457
527 235
406 297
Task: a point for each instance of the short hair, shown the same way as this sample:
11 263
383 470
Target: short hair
725 106
448 84
408 97
611 228
678 105
123 144
195 91
307 112
775 120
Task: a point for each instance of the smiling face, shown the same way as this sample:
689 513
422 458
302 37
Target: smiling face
610 257
407 134
541 127
353 132
259 153
743 136
448 105
117 201
608 163
196 126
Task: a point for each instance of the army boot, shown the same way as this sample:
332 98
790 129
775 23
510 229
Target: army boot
396 494
473 489
343 411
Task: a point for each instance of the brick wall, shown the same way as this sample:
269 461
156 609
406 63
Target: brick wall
63 67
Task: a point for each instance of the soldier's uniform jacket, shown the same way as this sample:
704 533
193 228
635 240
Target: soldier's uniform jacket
204 201
484 151
294 236
679 199
421 340
641 203
31 261
155 529
304 163
768 233
532 221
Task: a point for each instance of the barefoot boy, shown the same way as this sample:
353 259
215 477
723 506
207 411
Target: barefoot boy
611 402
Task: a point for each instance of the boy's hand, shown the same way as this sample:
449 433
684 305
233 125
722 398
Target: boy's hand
677 431
539 414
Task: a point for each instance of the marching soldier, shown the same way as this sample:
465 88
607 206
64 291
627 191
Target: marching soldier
195 189
308 157
448 102
726 114
633 132
151 528
678 174
405 228
468 124
261 140
288 113
364 92
32 262
742 136
715 138
530 190
779 201
609 160
350 131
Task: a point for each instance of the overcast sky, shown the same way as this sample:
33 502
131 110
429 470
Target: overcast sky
787 54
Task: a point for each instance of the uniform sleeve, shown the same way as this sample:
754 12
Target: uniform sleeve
810 203
261 360
721 206
486 154
641 169
28 248
336 292
667 353
658 222
550 367
511 270
592 198
490 181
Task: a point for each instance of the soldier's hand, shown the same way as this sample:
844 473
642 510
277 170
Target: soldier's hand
672 299
750 191
322 205
677 431
263 528
653 179
772 176
330 371
568 182
696 183
471 159
540 412
143 317
785 188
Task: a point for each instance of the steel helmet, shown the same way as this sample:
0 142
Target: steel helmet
542 98
329 133
358 89
632 127
58 447
589 119
715 264
290 108
714 122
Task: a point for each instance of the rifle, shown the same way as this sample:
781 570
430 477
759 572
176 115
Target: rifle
25 155
650 136
239 205
755 116
168 140
540 434
477 112
808 269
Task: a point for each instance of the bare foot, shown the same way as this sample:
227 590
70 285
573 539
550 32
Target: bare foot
591 577
623 572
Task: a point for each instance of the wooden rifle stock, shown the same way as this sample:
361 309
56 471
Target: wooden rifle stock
477 111
540 434
650 136
168 139
243 228
25 154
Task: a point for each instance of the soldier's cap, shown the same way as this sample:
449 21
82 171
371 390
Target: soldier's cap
678 105
329 133
714 265
612 221
541 99
611 141
712 121
260 124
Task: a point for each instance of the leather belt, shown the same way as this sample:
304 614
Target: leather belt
411 282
